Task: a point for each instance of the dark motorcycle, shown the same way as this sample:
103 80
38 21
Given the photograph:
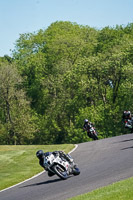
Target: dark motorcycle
60 167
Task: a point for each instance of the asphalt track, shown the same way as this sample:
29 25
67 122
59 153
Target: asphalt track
101 163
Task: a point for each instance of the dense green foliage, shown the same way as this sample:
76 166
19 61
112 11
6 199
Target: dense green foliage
59 76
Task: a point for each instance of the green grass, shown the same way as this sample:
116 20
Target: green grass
19 162
122 190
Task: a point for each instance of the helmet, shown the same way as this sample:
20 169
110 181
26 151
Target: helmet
86 121
127 113
39 154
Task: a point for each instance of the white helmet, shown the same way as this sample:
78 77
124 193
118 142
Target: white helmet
86 121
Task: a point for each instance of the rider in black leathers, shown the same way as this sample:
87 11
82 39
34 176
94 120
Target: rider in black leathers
41 155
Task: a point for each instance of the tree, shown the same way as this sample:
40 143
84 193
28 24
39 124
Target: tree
15 110
74 72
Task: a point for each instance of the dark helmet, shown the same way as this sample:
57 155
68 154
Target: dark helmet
86 121
39 154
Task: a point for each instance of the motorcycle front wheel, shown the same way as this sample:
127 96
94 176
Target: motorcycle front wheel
95 137
60 172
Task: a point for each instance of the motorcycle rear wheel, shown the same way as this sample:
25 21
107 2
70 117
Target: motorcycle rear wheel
76 171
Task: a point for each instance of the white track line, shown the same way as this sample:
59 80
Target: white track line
35 175
76 146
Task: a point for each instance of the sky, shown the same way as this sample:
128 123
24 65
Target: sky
28 16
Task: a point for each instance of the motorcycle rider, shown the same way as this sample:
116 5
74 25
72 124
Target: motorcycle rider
127 118
87 126
41 155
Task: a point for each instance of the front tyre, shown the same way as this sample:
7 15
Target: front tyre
95 137
60 172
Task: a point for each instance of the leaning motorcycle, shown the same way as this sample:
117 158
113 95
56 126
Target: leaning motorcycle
60 167
92 133
128 124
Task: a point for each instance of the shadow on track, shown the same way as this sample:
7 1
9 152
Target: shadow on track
127 148
123 141
42 183
127 140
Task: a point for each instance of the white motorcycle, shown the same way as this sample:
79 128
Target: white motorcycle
92 133
129 124
59 166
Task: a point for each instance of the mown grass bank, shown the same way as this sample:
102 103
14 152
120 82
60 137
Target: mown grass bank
19 162
122 190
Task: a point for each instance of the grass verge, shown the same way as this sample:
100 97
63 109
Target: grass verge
122 190
18 163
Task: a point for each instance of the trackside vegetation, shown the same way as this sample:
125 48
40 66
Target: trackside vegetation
61 75
19 162
55 79
121 191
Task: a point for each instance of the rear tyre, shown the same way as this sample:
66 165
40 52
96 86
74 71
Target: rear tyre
50 173
60 172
